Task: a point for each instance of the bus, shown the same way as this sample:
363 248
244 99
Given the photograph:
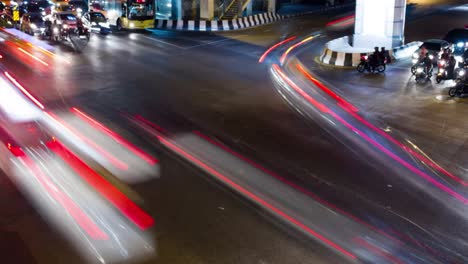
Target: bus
127 14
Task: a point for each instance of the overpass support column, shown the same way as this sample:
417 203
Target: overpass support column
207 9
272 6
379 23
176 9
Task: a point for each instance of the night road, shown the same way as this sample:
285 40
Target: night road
233 166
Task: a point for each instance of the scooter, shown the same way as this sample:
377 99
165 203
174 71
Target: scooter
444 73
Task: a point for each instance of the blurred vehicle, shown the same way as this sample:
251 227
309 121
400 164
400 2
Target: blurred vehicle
45 7
32 23
459 38
62 7
93 210
97 7
96 22
78 7
432 46
130 14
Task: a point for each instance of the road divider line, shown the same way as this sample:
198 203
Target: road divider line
164 42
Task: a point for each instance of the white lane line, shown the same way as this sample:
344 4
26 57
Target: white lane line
164 42
215 41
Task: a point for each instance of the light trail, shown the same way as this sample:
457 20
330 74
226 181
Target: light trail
32 56
25 92
353 111
80 217
228 181
324 109
285 54
268 51
122 141
115 161
126 206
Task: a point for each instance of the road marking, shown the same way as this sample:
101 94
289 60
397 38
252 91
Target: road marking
164 42
207 43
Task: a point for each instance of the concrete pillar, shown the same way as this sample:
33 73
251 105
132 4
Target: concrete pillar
176 9
272 6
207 9
248 10
379 23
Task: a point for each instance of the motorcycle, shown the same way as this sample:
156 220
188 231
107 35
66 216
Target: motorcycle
444 72
461 88
366 64
416 60
421 74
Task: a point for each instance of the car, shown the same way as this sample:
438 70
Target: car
434 47
96 22
32 23
459 38
65 19
62 7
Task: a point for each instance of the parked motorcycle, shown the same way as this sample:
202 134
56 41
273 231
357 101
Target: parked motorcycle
366 65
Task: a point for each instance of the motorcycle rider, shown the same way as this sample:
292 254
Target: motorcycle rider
427 65
445 55
385 55
451 63
374 58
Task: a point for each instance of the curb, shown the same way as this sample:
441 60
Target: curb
231 24
218 25
346 59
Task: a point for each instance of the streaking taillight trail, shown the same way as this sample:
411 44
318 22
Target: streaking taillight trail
326 110
126 206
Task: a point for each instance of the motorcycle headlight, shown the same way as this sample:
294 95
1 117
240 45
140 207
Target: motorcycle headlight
43 13
461 73
415 55
441 70
79 10
33 26
460 45
65 26
431 57
442 62
414 61
419 70
56 30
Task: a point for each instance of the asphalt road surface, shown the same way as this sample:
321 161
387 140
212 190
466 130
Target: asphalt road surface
213 83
